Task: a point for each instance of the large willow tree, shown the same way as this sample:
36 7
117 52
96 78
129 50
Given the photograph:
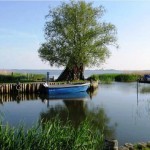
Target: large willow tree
76 37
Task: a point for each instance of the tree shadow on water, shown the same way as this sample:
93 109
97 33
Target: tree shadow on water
76 111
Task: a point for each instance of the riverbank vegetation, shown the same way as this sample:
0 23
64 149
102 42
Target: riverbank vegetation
141 147
51 135
20 77
103 78
109 78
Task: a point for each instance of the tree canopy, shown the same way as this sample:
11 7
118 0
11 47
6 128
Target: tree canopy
76 34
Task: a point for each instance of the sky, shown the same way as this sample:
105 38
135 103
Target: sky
22 33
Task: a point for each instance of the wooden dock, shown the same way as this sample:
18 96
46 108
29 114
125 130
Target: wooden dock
13 88
143 81
29 88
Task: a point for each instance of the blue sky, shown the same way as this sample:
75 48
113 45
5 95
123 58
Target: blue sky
22 32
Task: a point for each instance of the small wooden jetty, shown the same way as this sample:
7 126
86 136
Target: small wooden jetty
29 88
13 88
144 79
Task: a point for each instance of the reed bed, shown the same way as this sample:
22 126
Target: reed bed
127 77
51 135
20 77
5 72
109 78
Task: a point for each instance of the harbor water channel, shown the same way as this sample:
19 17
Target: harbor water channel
121 108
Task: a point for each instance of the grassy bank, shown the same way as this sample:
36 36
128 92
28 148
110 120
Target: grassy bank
52 135
108 78
20 77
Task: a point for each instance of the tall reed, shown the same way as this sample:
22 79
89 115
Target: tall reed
20 77
51 135
108 78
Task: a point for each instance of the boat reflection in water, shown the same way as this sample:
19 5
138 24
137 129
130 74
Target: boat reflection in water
69 96
73 107
77 108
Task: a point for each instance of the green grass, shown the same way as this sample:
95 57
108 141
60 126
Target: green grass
52 135
20 77
136 147
109 78
127 77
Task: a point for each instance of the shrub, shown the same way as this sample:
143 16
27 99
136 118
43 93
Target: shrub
108 78
15 77
127 77
103 78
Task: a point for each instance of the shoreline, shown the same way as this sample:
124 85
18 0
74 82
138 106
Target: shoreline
113 145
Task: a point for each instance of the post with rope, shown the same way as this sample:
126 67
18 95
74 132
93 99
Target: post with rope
18 87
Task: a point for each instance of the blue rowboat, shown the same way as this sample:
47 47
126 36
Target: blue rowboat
67 88
147 77
68 96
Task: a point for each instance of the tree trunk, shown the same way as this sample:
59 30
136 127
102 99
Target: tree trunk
76 73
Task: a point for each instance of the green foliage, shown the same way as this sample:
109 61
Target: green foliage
94 77
127 77
137 147
96 118
104 78
75 34
19 77
108 78
51 135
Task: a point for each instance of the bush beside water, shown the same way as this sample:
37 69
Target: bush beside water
19 77
127 77
52 135
108 78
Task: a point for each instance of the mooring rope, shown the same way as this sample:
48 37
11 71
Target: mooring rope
18 87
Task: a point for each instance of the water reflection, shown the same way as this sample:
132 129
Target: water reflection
17 97
30 108
100 119
73 111
73 108
145 89
93 93
77 110
143 100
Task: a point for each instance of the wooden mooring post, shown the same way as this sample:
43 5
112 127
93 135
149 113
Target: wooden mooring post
13 88
33 87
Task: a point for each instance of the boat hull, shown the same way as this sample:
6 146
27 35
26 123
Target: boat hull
61 89
68 96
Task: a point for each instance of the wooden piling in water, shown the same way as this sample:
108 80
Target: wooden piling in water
17 97
12 88
29 88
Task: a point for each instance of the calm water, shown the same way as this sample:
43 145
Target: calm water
124 112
